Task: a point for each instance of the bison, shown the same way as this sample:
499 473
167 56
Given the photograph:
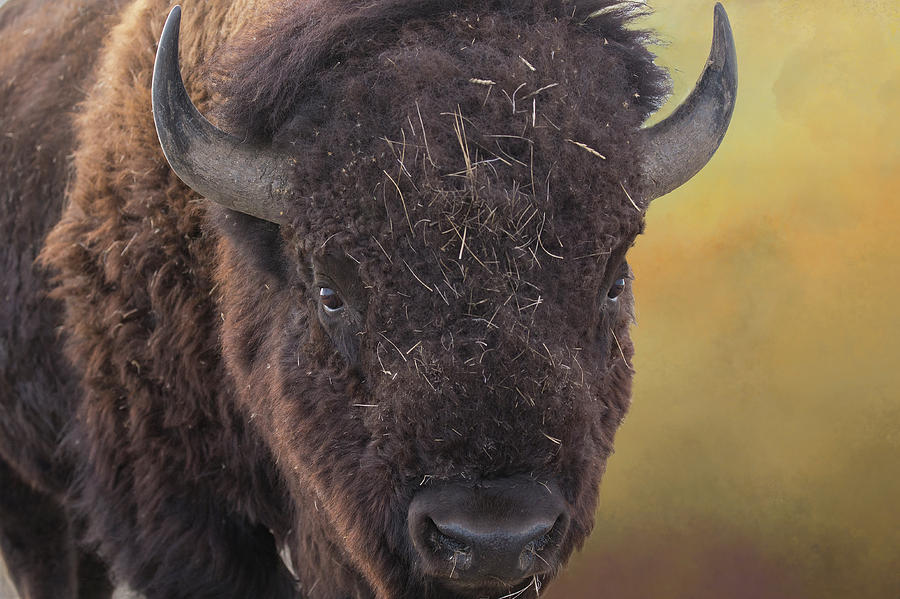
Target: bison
366 336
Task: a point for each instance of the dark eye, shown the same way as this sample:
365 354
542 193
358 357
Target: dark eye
617 288
331 301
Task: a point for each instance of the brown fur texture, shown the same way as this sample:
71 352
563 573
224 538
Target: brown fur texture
449 185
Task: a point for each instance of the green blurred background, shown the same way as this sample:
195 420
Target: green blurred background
761 456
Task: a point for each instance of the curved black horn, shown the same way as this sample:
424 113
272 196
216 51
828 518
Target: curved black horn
211 162
676 148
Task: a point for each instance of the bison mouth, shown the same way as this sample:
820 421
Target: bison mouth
525 589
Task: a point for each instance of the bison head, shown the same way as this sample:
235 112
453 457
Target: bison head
423 276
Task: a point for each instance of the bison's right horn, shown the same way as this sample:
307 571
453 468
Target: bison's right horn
677 148
213 163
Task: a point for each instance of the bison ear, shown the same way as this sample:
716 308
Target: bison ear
676 148
259 242
240 176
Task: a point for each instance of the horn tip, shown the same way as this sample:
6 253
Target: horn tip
173 21
722 23
166 61
723 55
171 29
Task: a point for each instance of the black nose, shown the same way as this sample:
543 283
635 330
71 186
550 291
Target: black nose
498 532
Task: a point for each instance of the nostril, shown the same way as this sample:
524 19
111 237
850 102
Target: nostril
445 547
548 539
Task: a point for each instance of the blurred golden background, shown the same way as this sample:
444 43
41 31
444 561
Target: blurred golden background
761 457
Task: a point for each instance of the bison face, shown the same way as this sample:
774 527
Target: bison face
426 314
445 418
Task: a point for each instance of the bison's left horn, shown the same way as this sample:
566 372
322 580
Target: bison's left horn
675 149
213 163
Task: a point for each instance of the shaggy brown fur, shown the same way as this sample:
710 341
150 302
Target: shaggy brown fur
449 185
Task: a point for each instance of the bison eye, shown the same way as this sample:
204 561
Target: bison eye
617 288
331 301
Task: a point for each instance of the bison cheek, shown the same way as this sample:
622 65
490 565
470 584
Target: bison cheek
320 444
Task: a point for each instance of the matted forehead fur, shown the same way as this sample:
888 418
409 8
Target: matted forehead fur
472 161
541 97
